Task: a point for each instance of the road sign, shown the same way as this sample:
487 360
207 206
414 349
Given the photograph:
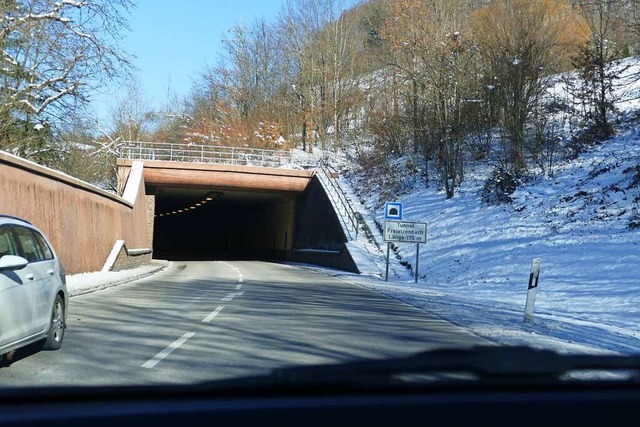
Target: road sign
393 210
405 232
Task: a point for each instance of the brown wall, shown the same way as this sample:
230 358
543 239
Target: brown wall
224 176
82 221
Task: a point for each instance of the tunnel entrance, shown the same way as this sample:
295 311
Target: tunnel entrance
209 211
216 224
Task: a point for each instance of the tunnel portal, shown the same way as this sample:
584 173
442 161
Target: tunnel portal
199 211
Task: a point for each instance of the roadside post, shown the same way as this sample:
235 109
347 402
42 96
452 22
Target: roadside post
531 291
405 232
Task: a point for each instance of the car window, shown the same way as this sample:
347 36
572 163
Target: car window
43 245
28 245
7 243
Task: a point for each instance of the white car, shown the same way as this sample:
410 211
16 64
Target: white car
33 290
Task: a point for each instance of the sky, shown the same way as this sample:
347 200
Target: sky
173 42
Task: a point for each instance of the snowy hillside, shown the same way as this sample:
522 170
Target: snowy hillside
583 222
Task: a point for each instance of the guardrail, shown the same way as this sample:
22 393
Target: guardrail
182 152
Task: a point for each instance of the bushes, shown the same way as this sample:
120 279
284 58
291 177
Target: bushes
499 187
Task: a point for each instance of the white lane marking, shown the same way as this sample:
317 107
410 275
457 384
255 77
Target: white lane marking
238 286
213 314
232 295
167 351
236 269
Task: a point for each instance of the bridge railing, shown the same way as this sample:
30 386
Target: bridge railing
182 152
340 200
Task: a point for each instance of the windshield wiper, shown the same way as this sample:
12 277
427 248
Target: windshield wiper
480 363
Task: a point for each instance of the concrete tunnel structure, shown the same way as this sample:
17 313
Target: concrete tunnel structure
202 211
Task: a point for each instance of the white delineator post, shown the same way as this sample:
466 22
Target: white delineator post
531 291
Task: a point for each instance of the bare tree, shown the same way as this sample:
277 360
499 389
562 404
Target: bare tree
429 49
451 91
596 67
321 43
522 44
52 55
406 37
132 118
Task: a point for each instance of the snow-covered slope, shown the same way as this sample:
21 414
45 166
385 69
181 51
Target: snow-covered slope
583 222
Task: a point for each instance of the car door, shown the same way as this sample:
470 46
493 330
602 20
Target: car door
49 268
16 309
36 278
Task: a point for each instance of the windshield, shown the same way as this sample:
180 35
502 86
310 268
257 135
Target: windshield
214 191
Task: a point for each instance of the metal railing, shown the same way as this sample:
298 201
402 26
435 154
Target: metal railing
340 201
177 152
217 154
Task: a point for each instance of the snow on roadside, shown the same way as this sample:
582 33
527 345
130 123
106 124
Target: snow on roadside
474 268
83 283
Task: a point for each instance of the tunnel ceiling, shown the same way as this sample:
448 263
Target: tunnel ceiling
171 198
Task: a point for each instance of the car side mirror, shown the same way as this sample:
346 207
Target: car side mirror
12 262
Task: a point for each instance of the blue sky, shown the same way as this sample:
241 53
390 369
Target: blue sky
174 40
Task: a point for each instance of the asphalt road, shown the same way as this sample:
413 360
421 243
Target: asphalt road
202 321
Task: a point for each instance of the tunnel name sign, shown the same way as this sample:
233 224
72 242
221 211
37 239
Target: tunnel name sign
405 232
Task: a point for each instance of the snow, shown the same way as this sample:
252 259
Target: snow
83 283
475 266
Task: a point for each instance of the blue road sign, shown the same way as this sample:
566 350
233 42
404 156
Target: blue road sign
393 210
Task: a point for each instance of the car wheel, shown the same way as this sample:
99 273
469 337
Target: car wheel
56 328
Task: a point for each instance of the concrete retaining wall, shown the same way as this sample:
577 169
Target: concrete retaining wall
131 259
82 221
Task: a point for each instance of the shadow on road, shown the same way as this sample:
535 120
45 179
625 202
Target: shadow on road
21 354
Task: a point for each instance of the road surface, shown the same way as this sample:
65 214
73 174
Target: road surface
201 321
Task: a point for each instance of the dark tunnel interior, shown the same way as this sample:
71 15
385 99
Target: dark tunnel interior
209 224
202 224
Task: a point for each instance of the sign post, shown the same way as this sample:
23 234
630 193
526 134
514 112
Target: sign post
417 260
531 290
386 276
405 232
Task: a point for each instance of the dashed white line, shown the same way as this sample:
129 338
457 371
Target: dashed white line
238 286
167 351
236 269
213 314
232 295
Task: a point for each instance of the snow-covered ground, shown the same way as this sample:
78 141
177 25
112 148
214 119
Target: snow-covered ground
78 284
474 268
